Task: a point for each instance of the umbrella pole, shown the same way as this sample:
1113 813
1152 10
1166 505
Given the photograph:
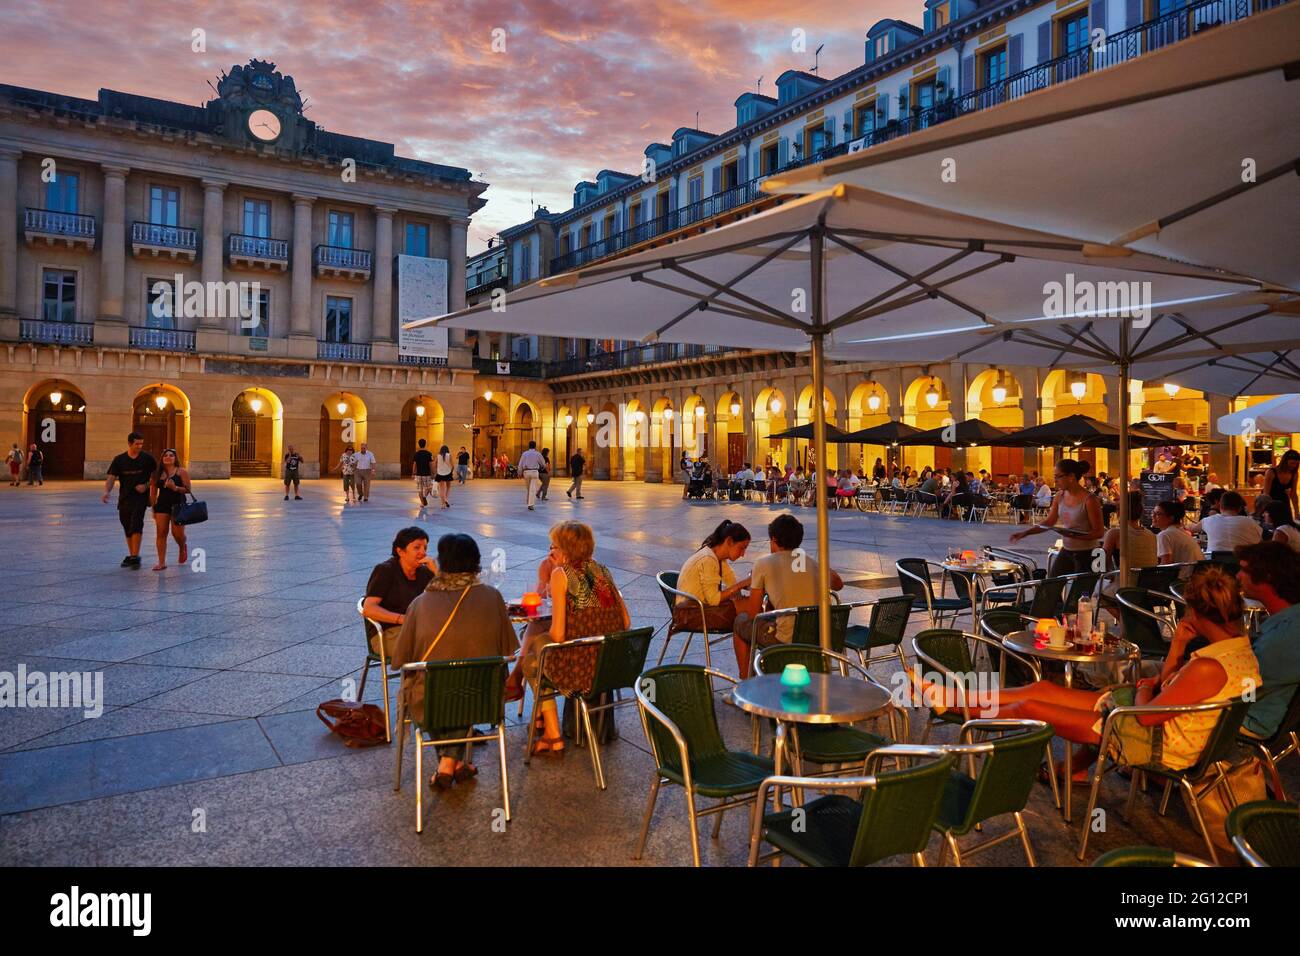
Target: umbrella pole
1124 517
815 241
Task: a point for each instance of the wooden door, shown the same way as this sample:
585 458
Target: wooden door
156 434
735 452
408 447
1007 462
65 457
942 457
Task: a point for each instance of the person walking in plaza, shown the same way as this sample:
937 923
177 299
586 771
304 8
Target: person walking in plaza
170 485
442 472
577 467
35 465
531 464
15 459
365 471
462 466
545 475
133 469
291 473
422 465
347 468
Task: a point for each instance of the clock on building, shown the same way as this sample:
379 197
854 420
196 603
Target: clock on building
264 125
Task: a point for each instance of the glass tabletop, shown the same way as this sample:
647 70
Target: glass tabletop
1026 642
828 699
980 567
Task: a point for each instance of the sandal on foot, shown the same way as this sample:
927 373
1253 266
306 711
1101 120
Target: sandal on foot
441 781
466 771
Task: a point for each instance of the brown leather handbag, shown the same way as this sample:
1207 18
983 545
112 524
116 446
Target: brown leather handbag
360 725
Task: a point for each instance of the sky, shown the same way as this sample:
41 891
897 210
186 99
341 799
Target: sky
578 87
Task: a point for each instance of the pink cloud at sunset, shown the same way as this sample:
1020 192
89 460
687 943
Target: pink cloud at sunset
580 86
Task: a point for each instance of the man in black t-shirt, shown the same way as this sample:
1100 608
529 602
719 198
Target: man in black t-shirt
423 473
134 470
577 465
462 466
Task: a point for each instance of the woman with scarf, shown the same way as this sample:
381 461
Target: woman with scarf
456 618
584 603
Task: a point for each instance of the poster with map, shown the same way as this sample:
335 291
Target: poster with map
421 293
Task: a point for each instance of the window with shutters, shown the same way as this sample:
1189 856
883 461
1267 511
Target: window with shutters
61 192
864 118
939 16
607 229
730 174
814 140
661 205
1072 33
771 159
993 66
694 189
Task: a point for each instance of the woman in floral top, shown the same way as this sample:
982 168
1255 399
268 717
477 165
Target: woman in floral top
584 603
347 467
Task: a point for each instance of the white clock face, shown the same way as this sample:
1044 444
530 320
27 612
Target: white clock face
264 125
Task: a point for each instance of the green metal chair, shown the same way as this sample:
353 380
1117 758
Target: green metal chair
457 694
620 658
914 580
1158 577
1266 833
1078 585
894 816
1008 767
382 660
829 744
1148 856
805 627
667 581
888 624
1144 619
1209 765
1285 741
951 656
681 726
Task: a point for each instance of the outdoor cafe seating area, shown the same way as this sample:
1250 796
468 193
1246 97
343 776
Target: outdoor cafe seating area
853 759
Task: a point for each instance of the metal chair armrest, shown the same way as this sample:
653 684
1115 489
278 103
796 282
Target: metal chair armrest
997 723
1244 850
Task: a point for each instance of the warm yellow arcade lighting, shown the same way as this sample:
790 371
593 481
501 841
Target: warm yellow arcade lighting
776 406
932 396
591 417
1171 389
999 393
735 408
568 420
699 410
419 411
255 404
56 397
873 402
668 414
487 396
342 407
160 401
1079 388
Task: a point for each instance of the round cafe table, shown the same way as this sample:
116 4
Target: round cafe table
1027 644
981 570
828 699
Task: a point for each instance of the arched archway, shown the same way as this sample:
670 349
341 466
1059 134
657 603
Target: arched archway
1068 393
635 426
771 415
927 404
804 416
869 406
730 424
422 417
489 433
995 396
256 433
695 427
662 434
605 438
161 413
342 422
55 413
522 429
566 439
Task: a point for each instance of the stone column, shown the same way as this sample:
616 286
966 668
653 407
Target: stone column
457 240
112 254
9 236
382 297
213 265
301 329
1220 457
484 345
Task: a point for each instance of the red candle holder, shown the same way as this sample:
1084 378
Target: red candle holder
968 557
531 602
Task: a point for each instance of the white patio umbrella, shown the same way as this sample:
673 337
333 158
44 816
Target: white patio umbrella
1280 414
1190 152
832 268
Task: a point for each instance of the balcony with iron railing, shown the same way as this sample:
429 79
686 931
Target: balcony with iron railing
56 333
343 351
156 241
164 340
514 368
342 262
406 358
55 228
487 281
1119 47
632 357
258 252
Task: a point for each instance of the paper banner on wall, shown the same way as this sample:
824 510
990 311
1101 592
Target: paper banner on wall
421 293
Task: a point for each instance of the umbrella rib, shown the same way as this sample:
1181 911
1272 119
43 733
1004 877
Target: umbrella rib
929 291
1154 227
910 280
1191 333
704 300
727 290
743 275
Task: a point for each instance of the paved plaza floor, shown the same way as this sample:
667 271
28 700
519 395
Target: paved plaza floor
209 751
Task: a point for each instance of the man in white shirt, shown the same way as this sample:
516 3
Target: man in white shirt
1043 495
1173 544
365 470
531 464
745 474
1231 528
788 578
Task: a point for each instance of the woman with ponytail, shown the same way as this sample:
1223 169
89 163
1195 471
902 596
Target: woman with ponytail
1075 515
707 575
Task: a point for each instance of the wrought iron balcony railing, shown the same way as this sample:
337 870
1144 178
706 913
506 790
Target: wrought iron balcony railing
515 368
258 247
629 358
166 340
343 351
56 333
342 259
405 359
167 237
50 222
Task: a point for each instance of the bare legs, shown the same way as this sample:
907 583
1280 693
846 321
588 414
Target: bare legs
443 489
164 523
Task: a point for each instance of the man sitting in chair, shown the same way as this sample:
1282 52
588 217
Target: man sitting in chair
787 578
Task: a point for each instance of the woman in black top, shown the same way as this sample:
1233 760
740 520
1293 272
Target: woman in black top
395 583
1280 481
170 485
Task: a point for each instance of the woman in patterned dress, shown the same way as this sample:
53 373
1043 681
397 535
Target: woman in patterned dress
585 602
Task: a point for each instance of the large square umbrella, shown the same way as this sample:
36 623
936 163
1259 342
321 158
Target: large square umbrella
844 264
1280 414
968 433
